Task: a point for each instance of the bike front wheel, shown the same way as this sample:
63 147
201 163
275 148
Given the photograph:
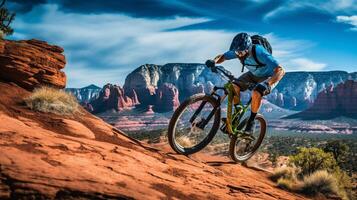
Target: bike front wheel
243 147
194 124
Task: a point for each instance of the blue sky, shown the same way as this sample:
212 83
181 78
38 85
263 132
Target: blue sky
105 40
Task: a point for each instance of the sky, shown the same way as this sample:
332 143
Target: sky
106 40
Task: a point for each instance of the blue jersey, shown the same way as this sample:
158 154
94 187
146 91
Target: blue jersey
263 56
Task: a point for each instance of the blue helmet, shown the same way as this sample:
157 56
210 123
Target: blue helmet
241 42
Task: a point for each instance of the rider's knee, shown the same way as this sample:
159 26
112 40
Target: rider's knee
262 89
236 88
256 93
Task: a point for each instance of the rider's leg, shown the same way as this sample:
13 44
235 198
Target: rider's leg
257 96
236 99
256 102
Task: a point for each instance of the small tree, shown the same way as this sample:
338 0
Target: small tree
338 149
5 19
310 160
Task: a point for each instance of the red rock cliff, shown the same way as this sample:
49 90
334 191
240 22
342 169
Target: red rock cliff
334 102
31 63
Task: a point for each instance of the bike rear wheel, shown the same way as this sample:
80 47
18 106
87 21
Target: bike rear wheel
241 148
185 133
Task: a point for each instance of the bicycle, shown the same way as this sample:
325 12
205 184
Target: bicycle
190 132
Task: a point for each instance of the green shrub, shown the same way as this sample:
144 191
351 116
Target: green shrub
51 100
310 160
318 173
283 172
338 149
319 182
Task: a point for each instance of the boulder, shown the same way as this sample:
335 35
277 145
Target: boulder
32 63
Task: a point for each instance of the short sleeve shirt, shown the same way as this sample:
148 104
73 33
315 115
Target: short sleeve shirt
263 56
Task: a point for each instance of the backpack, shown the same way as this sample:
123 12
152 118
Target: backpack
257 39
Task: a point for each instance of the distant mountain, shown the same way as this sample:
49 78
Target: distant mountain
298 90
188 78
333 102
111 97
85 94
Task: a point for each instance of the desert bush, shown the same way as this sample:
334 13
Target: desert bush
319 182
287 184
318 173
310 160
283 172
51 100
345 186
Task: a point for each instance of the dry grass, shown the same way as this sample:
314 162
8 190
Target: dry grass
287 184
319 182
51 100
283 172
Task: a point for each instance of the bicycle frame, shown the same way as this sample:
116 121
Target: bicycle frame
231 117
238 113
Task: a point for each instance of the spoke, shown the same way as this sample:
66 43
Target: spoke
246 143
189 134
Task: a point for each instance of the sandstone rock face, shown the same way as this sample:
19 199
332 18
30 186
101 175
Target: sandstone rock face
297 90
43 157
188 79
77 129
304 87
112 97
334 102
167 98
32 63
143 80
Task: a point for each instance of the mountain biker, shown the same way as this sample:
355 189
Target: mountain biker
264 77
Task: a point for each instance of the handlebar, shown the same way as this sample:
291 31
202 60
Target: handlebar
217 69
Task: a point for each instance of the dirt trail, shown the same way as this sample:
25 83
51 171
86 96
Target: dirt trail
47 156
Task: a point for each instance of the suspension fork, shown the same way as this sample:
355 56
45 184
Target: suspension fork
204 122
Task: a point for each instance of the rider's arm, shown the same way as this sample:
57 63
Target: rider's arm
219 59
226 56
265 57
279 72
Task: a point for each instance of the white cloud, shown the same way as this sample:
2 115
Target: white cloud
104 43
328 6
102 48
291 53
352 20
303 64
